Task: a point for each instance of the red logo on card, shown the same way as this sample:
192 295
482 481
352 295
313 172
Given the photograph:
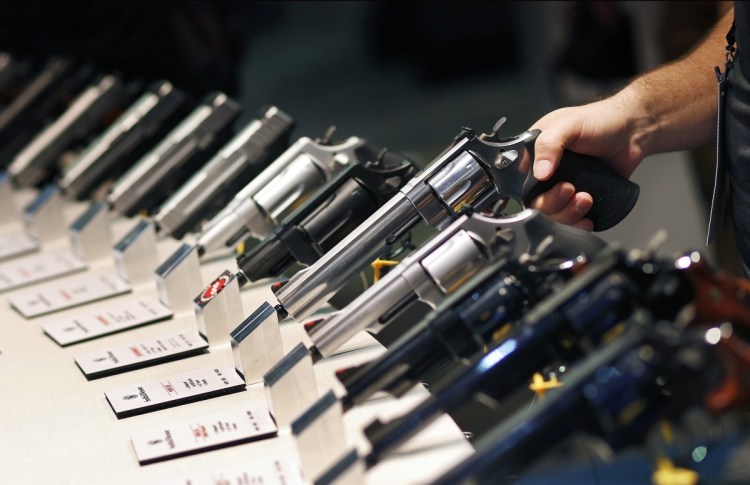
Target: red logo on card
215 288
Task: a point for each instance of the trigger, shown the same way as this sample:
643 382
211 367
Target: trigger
498 207
495 129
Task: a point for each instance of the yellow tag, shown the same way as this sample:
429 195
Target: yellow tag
540 386
667 474
666 431
378 264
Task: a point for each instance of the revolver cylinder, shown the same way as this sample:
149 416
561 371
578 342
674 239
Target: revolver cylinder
282 187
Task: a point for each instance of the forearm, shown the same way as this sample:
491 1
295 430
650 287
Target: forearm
675 107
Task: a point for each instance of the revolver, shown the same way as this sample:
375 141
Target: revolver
125 141
281 188
327 216
170 163
562 328
439 268
34 163
473 171
238 162
618 394
43 99
461 326
14 74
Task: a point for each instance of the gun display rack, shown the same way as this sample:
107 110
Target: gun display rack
57 426
129 356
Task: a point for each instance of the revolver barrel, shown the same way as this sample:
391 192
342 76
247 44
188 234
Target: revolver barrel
433 195
44 98
328 216
31 165
233 166
279 190
126 140
167 165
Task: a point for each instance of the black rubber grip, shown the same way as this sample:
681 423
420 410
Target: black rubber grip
569 242
614 195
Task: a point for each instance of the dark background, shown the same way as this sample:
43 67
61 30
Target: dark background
403 74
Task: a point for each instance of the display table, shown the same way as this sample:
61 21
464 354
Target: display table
58 427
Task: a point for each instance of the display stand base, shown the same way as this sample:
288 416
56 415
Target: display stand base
148 352
323 422
202 434
17 244
107 320
291 386
175 390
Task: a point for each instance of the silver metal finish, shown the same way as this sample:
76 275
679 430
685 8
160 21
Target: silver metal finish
29 166
452 249
178 279
192 134
290 188
459 181
444 263
308 289
283 194
243 151
132 127
278 190
455 261
452 180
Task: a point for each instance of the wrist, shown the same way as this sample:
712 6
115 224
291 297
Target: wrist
640 124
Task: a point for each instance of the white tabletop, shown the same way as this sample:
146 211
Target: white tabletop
57 427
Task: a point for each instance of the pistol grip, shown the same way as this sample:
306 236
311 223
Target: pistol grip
614 195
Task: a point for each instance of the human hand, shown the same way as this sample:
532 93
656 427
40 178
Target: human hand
601 129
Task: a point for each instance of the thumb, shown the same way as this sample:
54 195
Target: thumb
548 151
558 130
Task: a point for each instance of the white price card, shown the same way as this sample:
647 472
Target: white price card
91 324
174 390
68 293
140 354
17 244
202 434
35 268
270 471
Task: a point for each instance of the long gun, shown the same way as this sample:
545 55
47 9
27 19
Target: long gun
238 162
170 163
126 140
474 170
